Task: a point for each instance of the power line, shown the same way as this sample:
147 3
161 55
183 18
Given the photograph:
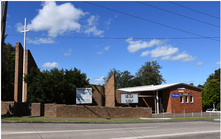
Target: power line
177 14
193 10
148 20
116 38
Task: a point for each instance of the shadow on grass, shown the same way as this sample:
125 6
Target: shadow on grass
8 115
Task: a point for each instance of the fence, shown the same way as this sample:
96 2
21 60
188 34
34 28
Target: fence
184 114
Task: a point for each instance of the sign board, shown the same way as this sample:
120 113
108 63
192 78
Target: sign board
175 95
181 91
180 88
185 94
129 98
83 95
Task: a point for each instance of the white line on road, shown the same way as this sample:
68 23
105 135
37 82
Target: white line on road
31 132
164 135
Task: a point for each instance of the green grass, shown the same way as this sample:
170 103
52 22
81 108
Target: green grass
71 119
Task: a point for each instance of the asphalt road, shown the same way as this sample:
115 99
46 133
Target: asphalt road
165 130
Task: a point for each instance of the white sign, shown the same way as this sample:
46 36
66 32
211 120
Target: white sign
180 88
129 98
181 91
83 95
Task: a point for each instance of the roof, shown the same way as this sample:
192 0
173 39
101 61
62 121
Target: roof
153 87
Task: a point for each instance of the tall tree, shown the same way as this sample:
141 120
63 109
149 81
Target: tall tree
191 84
8 70
149 74
211 94
121 78
55 85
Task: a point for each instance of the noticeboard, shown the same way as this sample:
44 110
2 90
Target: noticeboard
128 98
83 95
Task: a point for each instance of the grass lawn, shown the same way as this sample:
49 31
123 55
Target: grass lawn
71 119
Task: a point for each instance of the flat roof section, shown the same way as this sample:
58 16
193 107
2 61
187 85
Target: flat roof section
153 87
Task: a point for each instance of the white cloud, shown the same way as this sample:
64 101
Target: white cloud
108 22
217 63
56 19
69 50
184 57
137 45
200 63
94 30
164 51
98 53
97 80
50 65
106 48
92 20
40 41
67 54
145 53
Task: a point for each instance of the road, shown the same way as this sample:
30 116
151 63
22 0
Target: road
163 130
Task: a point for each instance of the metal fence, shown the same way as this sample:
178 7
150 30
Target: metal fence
184 114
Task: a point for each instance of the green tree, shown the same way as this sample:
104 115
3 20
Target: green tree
57 86
149 74
215 75
134 82
191 84
201 86
121 78
211 94
8 70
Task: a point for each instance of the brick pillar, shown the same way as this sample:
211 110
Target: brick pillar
18 72
109 89
29 63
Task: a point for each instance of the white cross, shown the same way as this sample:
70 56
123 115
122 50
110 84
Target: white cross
23 88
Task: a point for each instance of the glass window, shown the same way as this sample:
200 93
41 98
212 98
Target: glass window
187 99
191 99
181 99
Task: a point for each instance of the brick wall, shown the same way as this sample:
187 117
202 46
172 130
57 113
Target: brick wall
179 107
35 109
98 95
109 89
100 111
50 110
7 107
62 110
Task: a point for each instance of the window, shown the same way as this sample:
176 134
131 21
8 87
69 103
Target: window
181 99
191 99
187 99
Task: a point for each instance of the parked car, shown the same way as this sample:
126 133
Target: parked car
212 110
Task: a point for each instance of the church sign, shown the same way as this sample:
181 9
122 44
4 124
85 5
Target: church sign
128 98
83 95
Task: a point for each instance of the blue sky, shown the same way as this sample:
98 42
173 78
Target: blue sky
189 60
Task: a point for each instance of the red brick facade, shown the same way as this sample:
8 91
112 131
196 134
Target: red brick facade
195 106
170 103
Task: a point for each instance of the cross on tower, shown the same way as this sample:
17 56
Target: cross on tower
23 86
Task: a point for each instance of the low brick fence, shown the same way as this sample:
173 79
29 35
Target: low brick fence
62 110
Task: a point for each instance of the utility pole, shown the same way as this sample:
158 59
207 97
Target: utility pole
3 22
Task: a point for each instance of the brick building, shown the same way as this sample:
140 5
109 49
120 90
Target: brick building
168 97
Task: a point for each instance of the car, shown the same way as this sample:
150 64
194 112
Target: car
212 110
